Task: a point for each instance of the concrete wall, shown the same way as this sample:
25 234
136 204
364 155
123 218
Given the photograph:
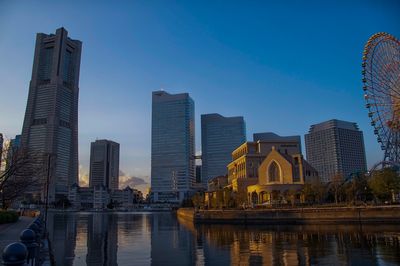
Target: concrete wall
340 215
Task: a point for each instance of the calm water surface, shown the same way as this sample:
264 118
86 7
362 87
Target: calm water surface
162 239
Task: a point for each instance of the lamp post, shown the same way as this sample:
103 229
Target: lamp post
49 155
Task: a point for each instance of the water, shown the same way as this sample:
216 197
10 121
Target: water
162 239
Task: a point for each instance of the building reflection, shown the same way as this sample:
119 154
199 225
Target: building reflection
160 239
171 244
62 235
102 239
299 245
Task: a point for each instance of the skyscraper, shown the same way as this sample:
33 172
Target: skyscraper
51 117
15 144
335 147
104 164
172 146
220 136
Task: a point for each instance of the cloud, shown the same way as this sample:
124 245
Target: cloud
83 177
132 181
124 180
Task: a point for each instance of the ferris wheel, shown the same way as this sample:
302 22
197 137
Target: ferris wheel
381 85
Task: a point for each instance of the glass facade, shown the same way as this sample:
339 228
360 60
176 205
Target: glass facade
220 136
104 164
172 146
335 147
51 117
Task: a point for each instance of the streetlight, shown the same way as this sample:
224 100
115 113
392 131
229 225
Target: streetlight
49 156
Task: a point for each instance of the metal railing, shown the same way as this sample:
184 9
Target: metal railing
27 251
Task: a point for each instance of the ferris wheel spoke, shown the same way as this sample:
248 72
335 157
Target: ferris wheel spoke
377 80
381 78
383 82
381 90
385 59
380 59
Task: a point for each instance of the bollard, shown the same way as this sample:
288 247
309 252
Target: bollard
28 238
15 254
39 225
34 227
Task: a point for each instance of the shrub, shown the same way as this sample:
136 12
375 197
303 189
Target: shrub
8 217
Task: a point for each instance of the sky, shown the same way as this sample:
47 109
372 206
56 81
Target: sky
282 65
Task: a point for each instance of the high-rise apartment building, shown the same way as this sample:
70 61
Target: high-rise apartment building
104 164
220 136
335 147
172 146
51 117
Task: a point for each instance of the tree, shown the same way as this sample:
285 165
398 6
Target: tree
198 200
336 186
239 198
227 197
23 172
357 189
308 193
291 196
384 184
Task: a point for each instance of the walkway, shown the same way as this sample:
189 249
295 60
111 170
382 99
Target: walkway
10 232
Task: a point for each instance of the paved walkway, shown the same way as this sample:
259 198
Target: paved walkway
10 232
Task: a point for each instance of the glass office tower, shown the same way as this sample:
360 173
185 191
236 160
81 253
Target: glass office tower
220 136
172 147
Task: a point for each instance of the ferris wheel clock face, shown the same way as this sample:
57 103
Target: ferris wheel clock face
381 85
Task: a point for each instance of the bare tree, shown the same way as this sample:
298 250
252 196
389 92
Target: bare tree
22 173
336 185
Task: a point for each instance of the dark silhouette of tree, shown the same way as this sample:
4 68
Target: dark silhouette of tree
385 184
336 186
23 172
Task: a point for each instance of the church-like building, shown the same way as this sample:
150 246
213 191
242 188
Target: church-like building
280 179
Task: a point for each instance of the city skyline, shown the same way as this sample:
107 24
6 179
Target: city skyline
233 69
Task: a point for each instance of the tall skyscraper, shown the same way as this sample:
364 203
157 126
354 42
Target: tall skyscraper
104 164
335 147
220 136
172 146
51 117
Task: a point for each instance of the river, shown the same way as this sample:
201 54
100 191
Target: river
142 238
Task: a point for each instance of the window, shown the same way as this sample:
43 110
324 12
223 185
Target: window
273 172
40 121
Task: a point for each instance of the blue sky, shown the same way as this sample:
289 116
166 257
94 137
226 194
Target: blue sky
283 66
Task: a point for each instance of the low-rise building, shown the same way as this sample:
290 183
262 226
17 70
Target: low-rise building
98 197
123 197
280 178
247 158
101 197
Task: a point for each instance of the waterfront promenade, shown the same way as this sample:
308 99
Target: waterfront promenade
10 232
331 215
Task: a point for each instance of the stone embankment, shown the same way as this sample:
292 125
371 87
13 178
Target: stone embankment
331 215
